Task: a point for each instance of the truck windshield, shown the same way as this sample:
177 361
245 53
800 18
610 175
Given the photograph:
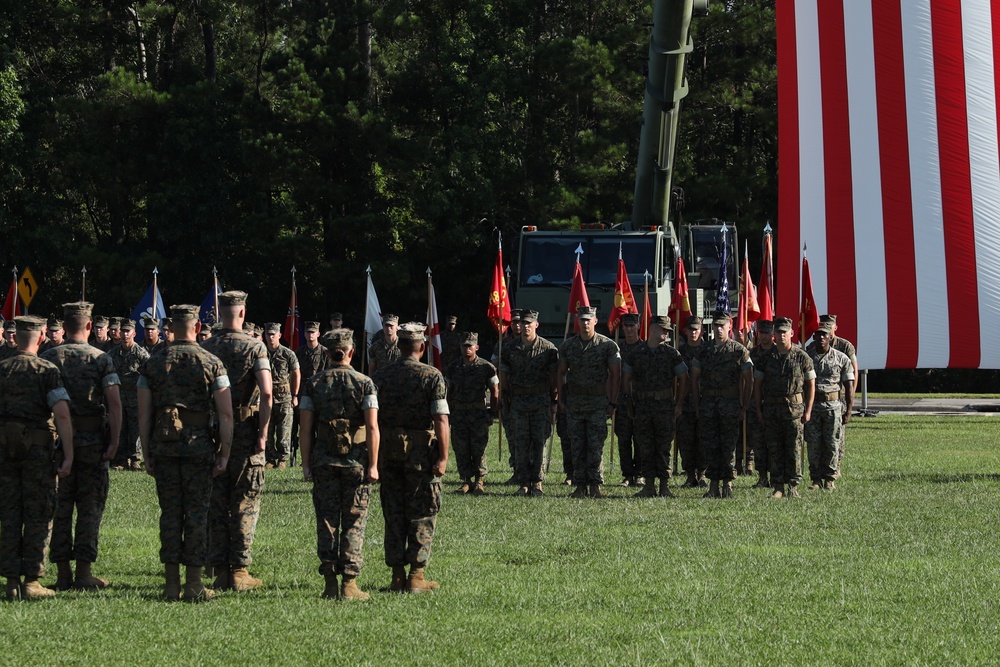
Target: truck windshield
549 260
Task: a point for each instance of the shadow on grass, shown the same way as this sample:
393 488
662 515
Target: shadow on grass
938 478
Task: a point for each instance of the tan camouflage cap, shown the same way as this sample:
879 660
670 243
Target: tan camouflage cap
114 323
184 311
389 318
765 326
10 325
29 323
100 322
54 323
586 312
249 326
412 331
127 324
233 298
338 339
782 324
272 328
312 326
77 308
470 338
661 321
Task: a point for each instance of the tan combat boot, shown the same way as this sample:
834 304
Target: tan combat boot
330 591
536 490
223 577
478 489
416 582
14 588
464 488
779 491
85 580
64 578
793 492
713 490
829 484
242 581
172 589
398 584
727 490
350 591
33 590
194 589
596 492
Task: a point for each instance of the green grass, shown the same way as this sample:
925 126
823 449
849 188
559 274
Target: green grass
898 566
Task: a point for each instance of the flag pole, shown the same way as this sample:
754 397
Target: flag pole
83 288
802 317
293 334
215 289
364 337
156 291
430 341
768 233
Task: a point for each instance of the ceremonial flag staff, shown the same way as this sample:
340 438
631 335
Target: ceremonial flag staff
498 313
83 287
155 294
215 285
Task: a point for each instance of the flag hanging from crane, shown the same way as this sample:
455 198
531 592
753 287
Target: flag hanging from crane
888 153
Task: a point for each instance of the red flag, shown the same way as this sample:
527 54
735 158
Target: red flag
808 315
293 323
766 300
433 326
624 299
748 311
577 295
498 311
12 306
680 304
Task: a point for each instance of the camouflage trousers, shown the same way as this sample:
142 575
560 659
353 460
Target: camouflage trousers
411 500
718 430
841 443
687 444
86 490
755 441
27 505
184 487
654 432
588 429
783 435
340 497
565 444
629 458
822 434
510 432
235 507
532 433
469 436
279 433
128 441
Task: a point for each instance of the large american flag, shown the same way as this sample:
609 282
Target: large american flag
889 172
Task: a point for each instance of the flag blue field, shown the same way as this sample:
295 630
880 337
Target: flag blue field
151 305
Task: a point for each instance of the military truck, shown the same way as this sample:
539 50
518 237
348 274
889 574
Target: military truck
649 241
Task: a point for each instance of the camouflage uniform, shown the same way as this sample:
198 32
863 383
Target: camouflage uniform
311 361
783 378
529 367
755 429
382 352
127 363
86 373
721 366
340 494
653 370
279 437
823 430
629 456
410 395
184 377
467 387
236 493
687 423
845 346
587 402
29 388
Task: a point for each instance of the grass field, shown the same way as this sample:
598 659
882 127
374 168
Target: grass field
898 566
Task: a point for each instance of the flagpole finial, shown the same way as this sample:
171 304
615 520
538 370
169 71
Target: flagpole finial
724 227
84 270
767 228
369 269
428 272
155 271
215 271
293 269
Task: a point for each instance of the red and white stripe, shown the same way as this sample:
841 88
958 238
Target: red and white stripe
890 174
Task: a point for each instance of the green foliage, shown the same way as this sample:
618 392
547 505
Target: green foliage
332 135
